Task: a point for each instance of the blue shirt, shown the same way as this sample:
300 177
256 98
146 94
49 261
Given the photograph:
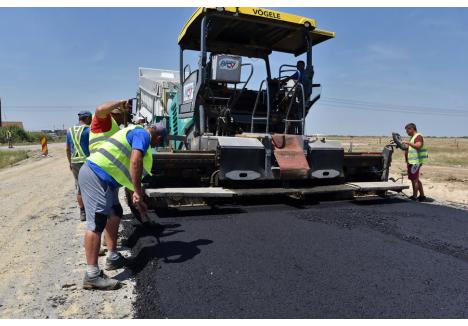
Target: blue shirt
298 75
138 139
84 141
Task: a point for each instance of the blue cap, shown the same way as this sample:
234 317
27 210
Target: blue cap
84 114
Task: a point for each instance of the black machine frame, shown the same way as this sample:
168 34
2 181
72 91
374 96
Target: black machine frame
194 109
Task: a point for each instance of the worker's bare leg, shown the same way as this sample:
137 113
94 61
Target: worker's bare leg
114 259
105 236
92 245
415 184
111 233
80 201
94 278
420 188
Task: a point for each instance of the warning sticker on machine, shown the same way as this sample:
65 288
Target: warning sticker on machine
188 92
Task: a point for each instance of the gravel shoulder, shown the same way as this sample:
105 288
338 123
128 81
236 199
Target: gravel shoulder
446 185
41 246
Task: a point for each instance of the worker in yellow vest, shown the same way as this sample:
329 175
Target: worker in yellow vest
9 138
120 161
416 155
77 149
105 123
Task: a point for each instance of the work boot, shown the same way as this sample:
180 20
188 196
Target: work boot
422 198
117 263
100 282
82 215
413 198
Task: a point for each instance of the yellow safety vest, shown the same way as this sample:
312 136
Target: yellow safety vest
113 156
417 156
95 138
78 155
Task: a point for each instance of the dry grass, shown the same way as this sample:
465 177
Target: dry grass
446 152
8 158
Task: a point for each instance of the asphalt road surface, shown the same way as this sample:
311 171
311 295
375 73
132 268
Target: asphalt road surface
350 259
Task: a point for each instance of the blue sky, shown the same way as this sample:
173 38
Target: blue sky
386 67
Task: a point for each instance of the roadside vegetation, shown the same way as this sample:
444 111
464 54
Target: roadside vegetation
21 136
10 157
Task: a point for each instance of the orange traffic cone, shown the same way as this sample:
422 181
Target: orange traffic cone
45 150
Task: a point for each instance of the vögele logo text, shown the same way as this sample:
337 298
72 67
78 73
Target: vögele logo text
266 13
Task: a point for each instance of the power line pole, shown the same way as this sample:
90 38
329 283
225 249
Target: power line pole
0 111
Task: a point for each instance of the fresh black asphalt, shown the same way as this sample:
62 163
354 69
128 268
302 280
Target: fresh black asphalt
374 258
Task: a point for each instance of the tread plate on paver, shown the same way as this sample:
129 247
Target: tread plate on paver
190 192
219 192
379 185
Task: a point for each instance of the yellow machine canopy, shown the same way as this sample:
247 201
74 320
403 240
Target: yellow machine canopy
251 32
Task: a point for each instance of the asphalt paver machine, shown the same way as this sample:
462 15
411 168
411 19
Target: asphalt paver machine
233 135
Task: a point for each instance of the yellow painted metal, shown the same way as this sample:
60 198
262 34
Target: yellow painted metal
274 15
194 16
262 13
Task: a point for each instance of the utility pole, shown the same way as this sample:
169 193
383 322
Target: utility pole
0 111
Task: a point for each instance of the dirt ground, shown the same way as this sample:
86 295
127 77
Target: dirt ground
41 246
440 183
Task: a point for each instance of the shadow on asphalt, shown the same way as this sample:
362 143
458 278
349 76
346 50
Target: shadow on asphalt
378 201
199 211
146 245
160 231
232 207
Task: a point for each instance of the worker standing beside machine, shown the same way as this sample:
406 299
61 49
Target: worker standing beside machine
416 155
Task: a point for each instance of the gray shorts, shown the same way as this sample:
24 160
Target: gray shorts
100 200
75 168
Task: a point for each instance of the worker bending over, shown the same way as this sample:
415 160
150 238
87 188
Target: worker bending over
105 123
416 155
77 152
121 160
